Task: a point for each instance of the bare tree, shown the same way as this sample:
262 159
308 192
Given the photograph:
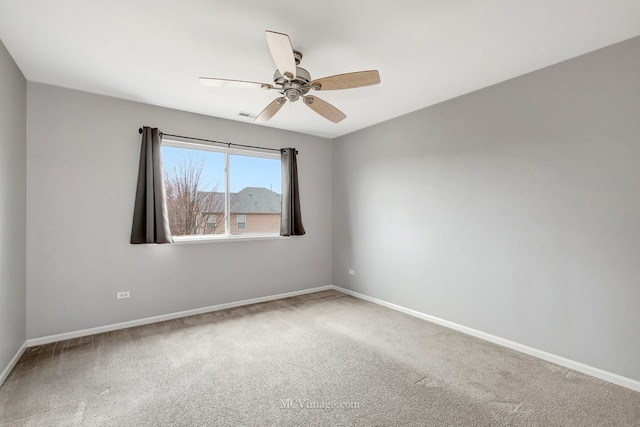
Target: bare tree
193 209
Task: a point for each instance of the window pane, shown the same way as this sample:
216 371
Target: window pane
255 186
194 181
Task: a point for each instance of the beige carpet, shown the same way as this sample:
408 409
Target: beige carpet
324 359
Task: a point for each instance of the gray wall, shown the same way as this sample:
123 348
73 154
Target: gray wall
514 210
13 169
82 162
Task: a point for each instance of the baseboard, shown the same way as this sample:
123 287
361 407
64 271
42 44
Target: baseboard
12 363
549 357
147 320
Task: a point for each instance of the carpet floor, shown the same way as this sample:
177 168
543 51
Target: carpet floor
322 359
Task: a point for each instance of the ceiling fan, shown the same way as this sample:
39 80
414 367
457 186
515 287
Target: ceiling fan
294 82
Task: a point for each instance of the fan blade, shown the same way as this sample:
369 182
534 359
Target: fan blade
207 81
347 81
270 110
325 109
282 53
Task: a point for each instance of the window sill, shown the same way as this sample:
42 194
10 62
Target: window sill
189 240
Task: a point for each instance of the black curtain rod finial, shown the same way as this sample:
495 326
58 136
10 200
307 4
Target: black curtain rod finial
140 131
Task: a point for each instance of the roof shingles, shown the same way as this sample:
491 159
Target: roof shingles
253 200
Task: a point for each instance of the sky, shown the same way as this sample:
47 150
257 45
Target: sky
244 171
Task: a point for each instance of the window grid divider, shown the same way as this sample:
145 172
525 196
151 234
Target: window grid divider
227 196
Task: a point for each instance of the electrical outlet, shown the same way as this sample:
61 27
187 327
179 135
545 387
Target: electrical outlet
352 272
122 295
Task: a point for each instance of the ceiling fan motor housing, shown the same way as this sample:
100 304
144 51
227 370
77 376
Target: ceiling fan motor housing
293 89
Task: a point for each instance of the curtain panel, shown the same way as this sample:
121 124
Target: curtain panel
150 216
291 219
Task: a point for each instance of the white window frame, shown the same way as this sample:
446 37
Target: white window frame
227 151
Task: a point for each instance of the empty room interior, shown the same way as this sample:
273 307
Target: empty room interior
278 213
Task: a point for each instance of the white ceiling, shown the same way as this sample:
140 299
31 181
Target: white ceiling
427 51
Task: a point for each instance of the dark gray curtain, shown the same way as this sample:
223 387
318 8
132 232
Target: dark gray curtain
291 219
150 217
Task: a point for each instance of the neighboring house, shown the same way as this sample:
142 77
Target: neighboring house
252 210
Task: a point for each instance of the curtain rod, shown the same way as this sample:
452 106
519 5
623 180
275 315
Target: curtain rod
217 142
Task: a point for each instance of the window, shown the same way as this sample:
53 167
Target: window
241 221
220 191
212 223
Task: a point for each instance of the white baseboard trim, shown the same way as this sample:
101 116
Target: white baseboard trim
147 320
567 363
12 363
558 360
